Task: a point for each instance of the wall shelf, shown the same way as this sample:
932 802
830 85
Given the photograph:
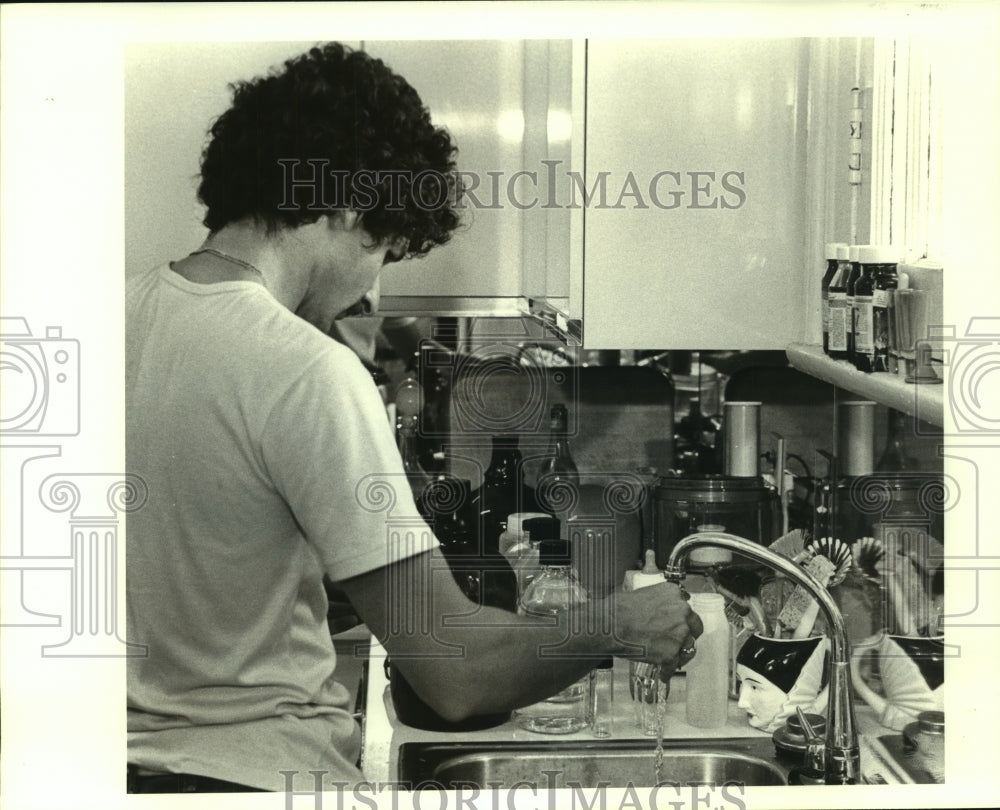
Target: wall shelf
925 402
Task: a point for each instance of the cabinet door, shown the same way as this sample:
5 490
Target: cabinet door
698 239
508 106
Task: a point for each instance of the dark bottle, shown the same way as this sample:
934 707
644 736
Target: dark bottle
864 289
501 492
501 495
851 282
832 251
896 456
696 442
886 281
839 314
559 469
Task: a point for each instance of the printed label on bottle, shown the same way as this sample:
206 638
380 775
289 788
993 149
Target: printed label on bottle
863 343
881 298
838 322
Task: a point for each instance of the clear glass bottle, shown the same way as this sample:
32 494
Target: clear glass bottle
707 674
556 590
559 467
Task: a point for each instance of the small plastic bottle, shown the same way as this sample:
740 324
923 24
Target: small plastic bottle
527 565
707 687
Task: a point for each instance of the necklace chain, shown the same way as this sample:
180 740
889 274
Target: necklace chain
226 257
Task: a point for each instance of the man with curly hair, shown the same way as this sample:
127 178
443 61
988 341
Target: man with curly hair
255 432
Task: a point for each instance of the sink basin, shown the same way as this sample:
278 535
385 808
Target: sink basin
550 766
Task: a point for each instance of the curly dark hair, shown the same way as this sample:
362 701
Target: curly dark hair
334 129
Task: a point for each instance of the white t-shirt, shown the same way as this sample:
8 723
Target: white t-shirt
255 435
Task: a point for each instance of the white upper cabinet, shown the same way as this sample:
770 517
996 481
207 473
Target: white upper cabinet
696 226
509 106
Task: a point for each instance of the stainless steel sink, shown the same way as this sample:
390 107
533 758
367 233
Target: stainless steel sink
630 763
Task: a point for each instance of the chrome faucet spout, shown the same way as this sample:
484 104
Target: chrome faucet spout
842 761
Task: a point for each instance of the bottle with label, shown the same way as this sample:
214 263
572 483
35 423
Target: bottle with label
839 315
559 468
556 590
886 281
864 290
707 680
831 269
852 279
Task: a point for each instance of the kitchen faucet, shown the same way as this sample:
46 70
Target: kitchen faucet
842 760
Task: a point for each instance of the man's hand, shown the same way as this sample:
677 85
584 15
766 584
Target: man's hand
659 625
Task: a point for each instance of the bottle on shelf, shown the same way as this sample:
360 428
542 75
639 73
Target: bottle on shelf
555 591
707 680
853 274
886 281
864 290
838 313
831 269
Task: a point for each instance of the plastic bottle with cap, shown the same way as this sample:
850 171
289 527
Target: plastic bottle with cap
527 564
515 538
707 681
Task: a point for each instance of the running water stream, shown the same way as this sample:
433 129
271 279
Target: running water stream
661 716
